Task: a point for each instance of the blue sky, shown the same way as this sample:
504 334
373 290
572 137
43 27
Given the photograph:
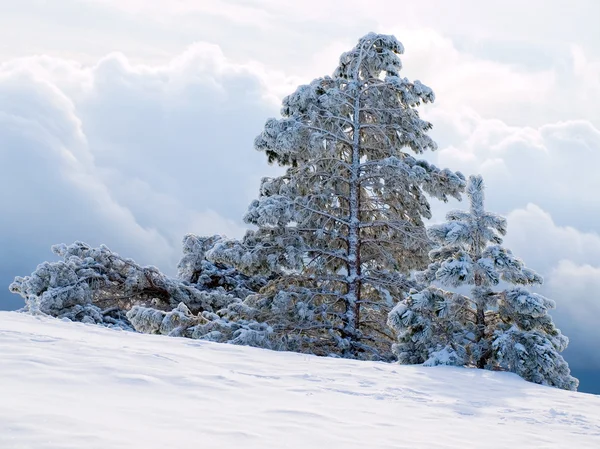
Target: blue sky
131 122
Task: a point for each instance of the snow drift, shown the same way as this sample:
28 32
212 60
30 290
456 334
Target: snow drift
73 385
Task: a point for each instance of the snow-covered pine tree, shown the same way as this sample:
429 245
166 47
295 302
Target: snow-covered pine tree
507 329
346 219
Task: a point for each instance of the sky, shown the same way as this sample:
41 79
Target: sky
131 123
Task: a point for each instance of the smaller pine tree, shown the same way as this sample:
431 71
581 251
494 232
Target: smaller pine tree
507 330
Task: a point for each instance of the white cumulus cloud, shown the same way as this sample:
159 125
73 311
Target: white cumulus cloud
132 156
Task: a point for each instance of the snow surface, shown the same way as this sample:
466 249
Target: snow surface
73 385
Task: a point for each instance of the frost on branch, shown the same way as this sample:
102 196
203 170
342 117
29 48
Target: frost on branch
153 321
344 225
217 277
508 329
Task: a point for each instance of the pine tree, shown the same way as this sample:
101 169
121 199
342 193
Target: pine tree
345 221
508 329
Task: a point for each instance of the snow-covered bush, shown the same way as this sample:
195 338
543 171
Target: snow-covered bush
180 322
508 329
97 285
344 224
148 320
92 285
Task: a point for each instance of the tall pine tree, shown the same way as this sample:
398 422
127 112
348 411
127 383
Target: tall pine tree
346 219
508 329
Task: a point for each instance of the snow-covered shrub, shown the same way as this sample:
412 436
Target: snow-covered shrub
88 285
180 322
508 329
97 285
152 321
344 224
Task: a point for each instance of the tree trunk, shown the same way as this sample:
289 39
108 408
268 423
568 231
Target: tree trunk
480 323
480 312
354 271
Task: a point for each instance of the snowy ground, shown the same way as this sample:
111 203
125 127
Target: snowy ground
65 385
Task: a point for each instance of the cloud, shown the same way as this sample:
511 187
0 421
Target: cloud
550 165
236 11
569 279
132 156
502 58
462 80
483 19
587 73
50 191
185 129
576 286
541 241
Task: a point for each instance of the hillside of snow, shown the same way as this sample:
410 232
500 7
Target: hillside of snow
71 385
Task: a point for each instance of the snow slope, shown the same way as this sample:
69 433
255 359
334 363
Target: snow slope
66 385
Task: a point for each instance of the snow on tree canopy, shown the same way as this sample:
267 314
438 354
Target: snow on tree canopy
508 329
346 219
